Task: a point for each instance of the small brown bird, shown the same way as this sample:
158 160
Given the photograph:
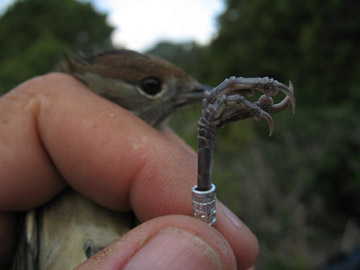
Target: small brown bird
152 89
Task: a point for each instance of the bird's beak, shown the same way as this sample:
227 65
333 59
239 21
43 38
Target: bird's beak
195 95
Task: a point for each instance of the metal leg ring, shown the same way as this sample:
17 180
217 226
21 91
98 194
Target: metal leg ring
204 204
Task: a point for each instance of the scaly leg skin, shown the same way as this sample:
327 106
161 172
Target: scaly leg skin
224 104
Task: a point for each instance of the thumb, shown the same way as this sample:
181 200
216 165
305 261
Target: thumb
169 242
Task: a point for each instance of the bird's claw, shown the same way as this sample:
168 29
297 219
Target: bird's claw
227 103
267 104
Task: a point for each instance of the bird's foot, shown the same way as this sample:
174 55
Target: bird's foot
227 102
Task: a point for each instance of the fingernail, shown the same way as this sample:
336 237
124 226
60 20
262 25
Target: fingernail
236 222
173 248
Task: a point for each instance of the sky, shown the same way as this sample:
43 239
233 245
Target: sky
140 24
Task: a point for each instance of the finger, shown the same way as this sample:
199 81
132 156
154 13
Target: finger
171 135
171 242
58 129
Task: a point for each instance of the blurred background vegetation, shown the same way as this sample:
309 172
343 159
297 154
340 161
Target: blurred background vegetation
299 190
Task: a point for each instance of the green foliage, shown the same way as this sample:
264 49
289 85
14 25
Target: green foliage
313 43
34 34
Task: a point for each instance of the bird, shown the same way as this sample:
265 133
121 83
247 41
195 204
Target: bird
151 88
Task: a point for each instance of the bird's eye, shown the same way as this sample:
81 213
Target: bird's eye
150 85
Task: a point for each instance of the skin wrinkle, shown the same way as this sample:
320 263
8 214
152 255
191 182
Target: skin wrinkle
151 168
197 246
161 189
140 244
118 245
40 103
141 164
30 103
220 246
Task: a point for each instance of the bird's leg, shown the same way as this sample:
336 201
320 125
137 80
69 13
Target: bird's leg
224 104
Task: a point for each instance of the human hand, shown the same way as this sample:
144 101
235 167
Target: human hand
54 132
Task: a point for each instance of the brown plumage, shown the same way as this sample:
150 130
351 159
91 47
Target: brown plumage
150 87
124 65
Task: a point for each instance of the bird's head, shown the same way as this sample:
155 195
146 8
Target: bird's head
150 87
